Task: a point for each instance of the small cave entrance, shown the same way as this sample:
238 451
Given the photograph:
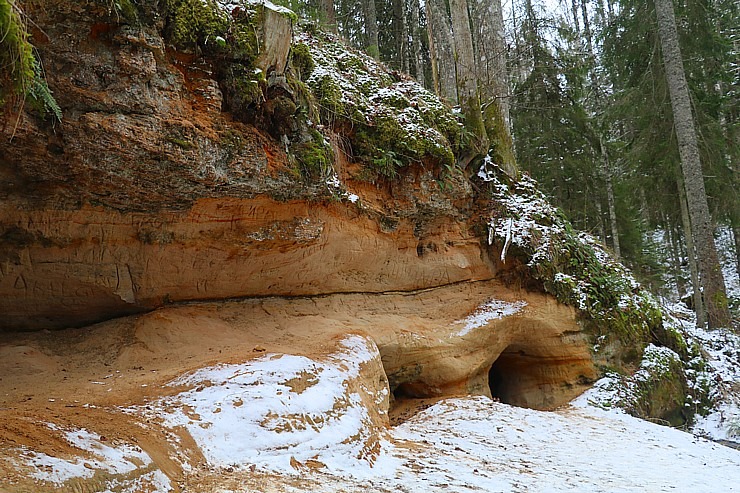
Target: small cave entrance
522 377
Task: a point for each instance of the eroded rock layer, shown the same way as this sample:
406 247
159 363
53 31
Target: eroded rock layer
74 267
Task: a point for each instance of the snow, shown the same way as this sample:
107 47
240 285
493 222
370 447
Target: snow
253 413
721 373
281 412
493 309
119 459
458 444
479 445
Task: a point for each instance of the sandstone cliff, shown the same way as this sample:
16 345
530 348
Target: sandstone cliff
213 193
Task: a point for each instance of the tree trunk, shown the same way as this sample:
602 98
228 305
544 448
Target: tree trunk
399 29
441 50
574 10
586 28
330 15
673 239
490 54
416 40
606 169
467 87
492 77
701 317
712 281
371 29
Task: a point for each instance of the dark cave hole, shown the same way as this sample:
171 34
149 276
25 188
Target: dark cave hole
503 379
526 380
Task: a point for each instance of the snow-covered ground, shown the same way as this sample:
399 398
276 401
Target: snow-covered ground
311 421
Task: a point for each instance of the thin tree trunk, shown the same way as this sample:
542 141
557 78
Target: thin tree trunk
330 14
399 28
586 28
600 224
675 254
441 49
467 87
416 39
712 281
606 169
371 29
701 317
574 10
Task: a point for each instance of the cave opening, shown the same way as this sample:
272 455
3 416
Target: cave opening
523 378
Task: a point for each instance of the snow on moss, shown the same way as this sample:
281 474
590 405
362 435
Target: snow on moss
573 266
386 112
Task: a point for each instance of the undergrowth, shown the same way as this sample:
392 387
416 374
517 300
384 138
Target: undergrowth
21 75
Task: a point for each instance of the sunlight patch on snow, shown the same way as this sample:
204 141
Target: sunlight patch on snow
490 310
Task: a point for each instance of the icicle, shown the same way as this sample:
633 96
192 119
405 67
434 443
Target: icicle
508 240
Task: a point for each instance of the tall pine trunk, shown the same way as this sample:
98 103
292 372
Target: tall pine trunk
399 30
606 169
371 29
441 51
467 86
701 316
489 43
715 295
416 40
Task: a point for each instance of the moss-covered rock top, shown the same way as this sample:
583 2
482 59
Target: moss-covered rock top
390 119
571 265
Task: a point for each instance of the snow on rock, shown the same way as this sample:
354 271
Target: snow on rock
280 412
473 444
491 310
127 467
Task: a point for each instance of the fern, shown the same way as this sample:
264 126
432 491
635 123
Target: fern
40 94
21 75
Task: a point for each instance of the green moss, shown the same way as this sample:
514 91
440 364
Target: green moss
314 156
660 388
329 98
191 23
389 123
16 53
501 147
373 51
475 130
125 10
573 267
185 144
302 61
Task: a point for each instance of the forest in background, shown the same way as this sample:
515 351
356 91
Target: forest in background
584 89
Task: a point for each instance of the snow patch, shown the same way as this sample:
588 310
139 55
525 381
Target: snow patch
491 310
279 411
